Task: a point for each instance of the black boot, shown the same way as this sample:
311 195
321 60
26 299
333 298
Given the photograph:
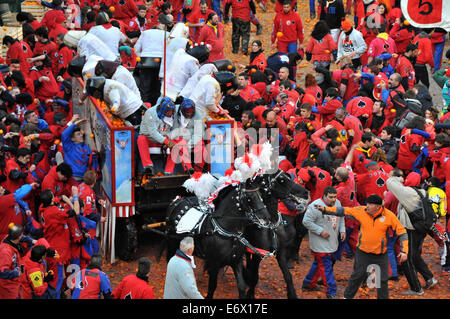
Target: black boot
259 28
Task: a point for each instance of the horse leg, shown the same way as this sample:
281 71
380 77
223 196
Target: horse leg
252 275
212 283
282 259
300 232
238 269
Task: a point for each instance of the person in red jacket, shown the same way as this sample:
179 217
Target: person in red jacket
405 68
285 107
45 47
136 286
18 171
242 9
35 278
410 144
92 282
44 81
59 180
321 45
361 107
11 252
372 182
440 155
12 207
55 214
65 55
124 10
197 19
212 34
17 50
247 91
305 114
330 104
287 30
424 57
57 26
402 35
315 179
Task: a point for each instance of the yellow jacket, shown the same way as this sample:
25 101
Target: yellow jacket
439 200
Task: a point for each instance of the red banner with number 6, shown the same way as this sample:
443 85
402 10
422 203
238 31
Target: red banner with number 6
427 13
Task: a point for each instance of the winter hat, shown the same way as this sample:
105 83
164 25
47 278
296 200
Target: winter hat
304 175
72 38
346 25
375 199
413 179
285 165
309 98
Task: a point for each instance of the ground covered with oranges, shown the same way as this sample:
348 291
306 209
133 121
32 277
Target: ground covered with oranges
271 284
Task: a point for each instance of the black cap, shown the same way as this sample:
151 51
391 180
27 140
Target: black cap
75 67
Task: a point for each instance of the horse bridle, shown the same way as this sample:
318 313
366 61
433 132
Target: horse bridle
251 214
288 196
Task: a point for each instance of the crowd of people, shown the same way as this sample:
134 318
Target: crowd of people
362 130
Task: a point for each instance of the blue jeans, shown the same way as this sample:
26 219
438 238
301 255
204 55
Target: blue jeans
438 54
312 6
216 7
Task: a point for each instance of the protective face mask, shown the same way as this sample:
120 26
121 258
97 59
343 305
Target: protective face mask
184 121
168 120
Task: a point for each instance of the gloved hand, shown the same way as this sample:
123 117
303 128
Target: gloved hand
126 49
49 276
361 158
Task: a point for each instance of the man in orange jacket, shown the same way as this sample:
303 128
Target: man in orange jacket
371 247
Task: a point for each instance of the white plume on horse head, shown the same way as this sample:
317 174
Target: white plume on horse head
263 153
248 165
202 185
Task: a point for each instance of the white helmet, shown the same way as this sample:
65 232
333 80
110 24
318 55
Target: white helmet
72 38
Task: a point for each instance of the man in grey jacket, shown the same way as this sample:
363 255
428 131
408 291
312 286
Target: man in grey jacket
180 278
324 233
409 200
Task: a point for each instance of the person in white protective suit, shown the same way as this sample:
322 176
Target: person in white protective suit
206 69
184 64
122 101
150 49
177 38
208 93
88 44
110 35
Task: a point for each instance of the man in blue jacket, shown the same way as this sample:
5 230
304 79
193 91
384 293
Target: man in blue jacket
76 151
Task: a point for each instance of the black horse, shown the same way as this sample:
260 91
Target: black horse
220 240
283 236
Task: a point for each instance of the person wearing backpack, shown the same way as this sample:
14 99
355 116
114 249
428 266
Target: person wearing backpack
410 204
